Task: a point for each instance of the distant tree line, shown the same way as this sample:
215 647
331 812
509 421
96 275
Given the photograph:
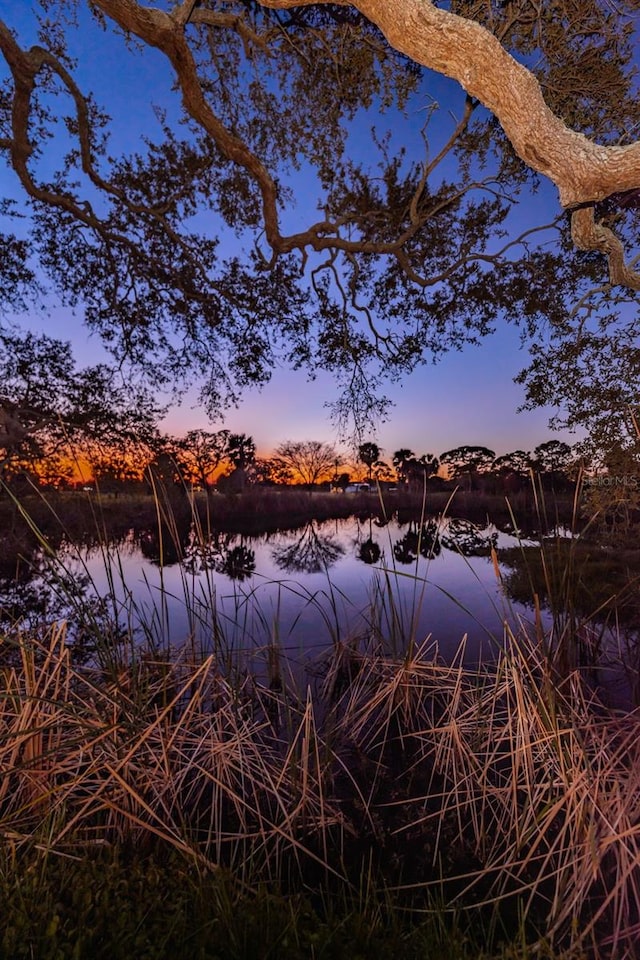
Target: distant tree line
227 462
60 425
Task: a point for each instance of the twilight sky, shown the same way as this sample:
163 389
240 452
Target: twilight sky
468 397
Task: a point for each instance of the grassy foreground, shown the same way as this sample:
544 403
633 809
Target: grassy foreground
401 807
120 907
195 803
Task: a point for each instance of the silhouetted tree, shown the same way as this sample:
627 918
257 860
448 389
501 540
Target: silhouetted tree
369 453
611 495
512 470
343 480
164 470
271 471
240 450
419 469
415 250
518 462
310 460
200 453
118 466
400 460
50 409
553 456
468 463
552 460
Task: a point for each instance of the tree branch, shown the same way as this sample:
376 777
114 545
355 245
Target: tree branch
462 49
589 235
583 171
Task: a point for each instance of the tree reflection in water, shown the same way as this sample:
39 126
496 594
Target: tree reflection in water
239 563
206 553
312 552
466 538
166 544
220 553
369 551
41 592
419 540
31 600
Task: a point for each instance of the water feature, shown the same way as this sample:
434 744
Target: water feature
301 588
354 580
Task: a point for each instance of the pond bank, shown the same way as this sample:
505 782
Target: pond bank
87 517
427 809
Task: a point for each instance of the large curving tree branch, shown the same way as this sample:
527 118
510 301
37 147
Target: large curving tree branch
583 171
465 51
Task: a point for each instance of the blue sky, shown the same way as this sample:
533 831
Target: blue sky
468 397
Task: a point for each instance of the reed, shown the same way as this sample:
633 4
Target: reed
497 804
498 790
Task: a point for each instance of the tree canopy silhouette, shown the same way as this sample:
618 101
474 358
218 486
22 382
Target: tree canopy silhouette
48 406
467 463
309 461
369 454
200 454
359 253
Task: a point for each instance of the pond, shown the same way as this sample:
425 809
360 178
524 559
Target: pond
328 580
361 581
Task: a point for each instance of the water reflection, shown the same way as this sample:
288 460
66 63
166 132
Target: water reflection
23 599
206 553
151 570
355 581
219 552
238 563
369 551
419 541
165 545
468 539
45 590
312 551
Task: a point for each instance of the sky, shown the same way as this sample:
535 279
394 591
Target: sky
469 397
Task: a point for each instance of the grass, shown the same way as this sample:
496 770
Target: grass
496 794
117 906
158 802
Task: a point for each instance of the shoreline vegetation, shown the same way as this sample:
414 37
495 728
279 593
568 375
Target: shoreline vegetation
202 803
398 805
259 510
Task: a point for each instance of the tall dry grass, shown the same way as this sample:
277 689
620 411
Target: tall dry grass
508 793
501 791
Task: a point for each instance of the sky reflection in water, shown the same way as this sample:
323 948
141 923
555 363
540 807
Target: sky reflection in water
305 588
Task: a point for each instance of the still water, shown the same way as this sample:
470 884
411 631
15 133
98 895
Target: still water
376 585
303 589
